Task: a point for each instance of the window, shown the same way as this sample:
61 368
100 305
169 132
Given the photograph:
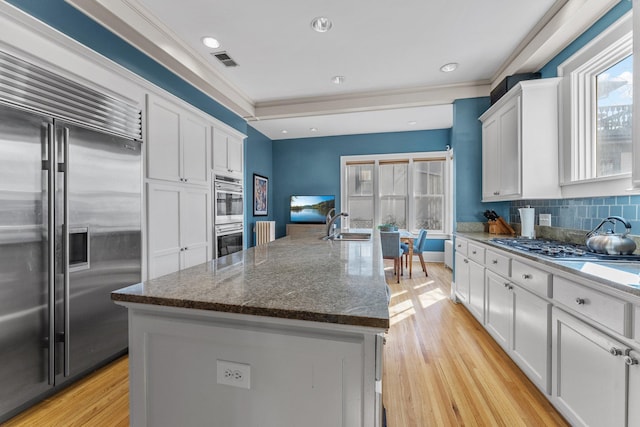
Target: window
412 191
596 94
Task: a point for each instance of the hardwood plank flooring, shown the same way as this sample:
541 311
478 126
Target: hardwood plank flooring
441 369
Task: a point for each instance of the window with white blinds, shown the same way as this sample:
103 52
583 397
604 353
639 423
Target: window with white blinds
412 191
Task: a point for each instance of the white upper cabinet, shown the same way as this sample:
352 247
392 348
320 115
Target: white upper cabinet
227 153
177 144
520 143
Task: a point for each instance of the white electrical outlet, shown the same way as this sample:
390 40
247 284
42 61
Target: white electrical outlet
233 374
545 219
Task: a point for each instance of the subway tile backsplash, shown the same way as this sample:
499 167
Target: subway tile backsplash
583 213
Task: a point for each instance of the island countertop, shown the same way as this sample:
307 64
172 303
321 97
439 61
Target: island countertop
303 278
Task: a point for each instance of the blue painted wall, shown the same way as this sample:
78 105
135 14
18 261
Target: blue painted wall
312 165
258 158
68 20
466 141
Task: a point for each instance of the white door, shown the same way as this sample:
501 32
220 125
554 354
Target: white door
462 277
195 152
163 141
531 338
234 154
510 148
220 153
499 309
476 290
163 215
195 226
589 373
633 360
490 159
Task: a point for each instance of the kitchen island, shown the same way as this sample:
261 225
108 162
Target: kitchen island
284 334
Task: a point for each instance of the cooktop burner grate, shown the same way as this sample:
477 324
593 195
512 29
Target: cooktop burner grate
559 250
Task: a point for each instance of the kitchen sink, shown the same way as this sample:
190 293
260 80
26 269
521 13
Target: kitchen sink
352 236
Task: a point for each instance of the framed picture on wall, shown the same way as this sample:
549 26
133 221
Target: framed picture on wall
260 195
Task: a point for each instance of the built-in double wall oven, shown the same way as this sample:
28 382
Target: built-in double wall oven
228 214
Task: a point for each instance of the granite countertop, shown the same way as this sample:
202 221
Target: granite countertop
572 267
302 278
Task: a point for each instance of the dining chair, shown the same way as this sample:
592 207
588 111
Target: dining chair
391 249
419 246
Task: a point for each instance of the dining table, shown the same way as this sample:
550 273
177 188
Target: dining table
408 238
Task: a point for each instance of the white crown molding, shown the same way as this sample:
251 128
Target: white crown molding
567 20
131 21
370 101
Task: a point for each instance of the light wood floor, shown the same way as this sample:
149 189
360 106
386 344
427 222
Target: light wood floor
441 369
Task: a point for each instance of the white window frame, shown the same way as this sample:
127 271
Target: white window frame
447 156
578 112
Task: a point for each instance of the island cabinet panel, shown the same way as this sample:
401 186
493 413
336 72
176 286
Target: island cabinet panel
297 376
632 360
589 373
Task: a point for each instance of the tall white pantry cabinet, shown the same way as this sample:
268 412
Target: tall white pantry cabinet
179 161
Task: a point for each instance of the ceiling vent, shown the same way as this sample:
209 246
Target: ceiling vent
225 59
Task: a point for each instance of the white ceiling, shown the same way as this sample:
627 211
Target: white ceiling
390 54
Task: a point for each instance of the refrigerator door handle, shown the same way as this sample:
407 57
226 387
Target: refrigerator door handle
51 231
64 168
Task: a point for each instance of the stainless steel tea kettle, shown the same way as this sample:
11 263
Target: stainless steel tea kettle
609 242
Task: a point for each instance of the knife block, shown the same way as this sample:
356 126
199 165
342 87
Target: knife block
500 226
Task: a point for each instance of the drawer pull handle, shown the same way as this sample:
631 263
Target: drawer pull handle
615 351
527 276
580 301
495 261
630 360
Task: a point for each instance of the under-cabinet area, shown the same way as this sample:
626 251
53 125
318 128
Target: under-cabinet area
575 337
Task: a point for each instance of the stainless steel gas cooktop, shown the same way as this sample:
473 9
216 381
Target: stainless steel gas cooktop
551 249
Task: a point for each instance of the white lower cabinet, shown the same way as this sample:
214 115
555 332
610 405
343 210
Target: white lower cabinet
632 360
179 227
589 374
462 277
519 321
470 285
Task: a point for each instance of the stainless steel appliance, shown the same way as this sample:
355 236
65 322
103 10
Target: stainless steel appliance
228 238
550 249
70 218
228 200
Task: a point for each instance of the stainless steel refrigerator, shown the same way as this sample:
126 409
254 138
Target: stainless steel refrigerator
70 219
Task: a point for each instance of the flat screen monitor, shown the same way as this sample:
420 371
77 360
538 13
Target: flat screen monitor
311 209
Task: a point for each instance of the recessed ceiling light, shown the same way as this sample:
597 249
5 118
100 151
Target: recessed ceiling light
447 68
321 24
210 42
285 131
412 123
337 80
313 129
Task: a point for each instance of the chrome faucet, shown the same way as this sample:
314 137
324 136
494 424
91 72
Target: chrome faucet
331 220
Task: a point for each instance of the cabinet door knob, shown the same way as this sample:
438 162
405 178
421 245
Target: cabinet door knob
615 351
506 285
473 252
496 193
466 261
630 360
527 276
495 261
510 287
580 301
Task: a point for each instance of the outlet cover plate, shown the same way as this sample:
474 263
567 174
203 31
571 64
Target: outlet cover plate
233 374
545 219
